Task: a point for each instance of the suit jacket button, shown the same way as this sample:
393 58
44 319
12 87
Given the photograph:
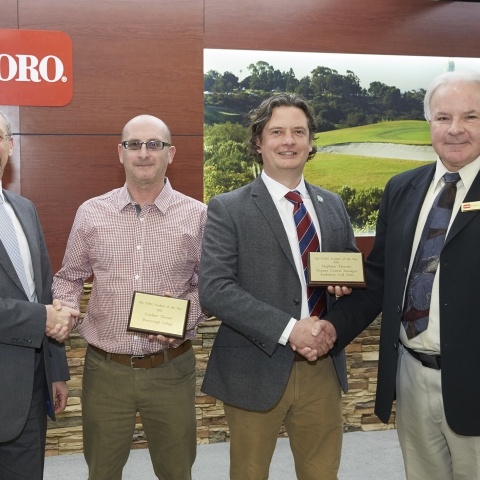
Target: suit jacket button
296 301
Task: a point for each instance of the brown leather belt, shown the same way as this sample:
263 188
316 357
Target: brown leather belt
145 361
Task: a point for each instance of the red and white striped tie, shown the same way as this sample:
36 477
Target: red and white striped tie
308 242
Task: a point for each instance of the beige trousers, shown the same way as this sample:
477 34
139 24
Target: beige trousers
312 413
431 450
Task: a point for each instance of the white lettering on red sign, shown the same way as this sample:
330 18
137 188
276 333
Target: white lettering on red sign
28 68
36 68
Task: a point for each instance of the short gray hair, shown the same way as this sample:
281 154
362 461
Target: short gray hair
445 79
7 124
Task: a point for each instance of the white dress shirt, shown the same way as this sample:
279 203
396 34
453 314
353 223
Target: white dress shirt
285 210
429 340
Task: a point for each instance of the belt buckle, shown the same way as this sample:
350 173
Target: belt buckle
433 362
132 361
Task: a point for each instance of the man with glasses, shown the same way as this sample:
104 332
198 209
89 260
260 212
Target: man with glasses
33 365
144 237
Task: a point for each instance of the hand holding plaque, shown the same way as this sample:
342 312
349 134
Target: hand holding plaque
158 315
336 268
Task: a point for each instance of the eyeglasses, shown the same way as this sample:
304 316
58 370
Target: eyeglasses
150 144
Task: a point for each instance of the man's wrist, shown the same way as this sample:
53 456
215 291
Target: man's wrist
288 330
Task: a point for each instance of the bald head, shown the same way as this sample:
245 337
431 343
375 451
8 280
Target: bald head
148 121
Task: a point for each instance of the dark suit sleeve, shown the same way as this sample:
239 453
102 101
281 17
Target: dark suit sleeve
22 322
228 286
351 314
58 360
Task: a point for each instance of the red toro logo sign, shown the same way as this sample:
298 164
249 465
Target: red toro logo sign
35 68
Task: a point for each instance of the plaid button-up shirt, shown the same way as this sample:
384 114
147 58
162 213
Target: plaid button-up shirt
125 249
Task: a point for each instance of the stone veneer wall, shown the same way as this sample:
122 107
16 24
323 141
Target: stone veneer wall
65 435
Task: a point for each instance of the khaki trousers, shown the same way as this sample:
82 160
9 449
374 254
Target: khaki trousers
431 450
311 410
164 397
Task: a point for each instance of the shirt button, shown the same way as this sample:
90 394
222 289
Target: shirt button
139 247
137 277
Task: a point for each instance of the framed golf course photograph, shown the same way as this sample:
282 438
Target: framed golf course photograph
369 111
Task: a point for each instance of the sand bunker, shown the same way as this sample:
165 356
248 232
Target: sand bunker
384 150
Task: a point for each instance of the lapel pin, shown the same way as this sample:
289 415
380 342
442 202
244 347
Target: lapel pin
320 199
470 206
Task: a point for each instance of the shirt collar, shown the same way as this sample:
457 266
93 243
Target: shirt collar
278 190
161 202
467 173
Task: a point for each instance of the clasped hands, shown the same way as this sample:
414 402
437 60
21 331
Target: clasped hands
60 320
313 337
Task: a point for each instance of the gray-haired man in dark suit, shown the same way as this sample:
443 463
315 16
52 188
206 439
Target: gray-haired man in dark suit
430 361
251 278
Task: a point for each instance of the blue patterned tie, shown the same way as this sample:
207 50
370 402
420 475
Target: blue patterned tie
9 239
308 242
419 287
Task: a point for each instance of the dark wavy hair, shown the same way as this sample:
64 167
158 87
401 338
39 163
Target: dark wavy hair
260 116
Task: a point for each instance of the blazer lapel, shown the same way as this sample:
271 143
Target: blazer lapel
264 202
7 265
462 219
412 203
5 261
321 210
29 229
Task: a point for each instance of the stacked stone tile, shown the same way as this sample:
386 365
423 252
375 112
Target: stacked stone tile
65 435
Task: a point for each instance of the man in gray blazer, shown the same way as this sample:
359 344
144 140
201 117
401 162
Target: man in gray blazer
33 365
251 278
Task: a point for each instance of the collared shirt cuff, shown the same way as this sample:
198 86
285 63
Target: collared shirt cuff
286 333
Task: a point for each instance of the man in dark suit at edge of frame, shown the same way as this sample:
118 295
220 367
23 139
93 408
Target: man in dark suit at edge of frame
33 365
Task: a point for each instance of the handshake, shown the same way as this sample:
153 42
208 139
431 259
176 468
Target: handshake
312 337
60 320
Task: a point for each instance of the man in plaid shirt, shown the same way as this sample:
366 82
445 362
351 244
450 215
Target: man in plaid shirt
143 237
